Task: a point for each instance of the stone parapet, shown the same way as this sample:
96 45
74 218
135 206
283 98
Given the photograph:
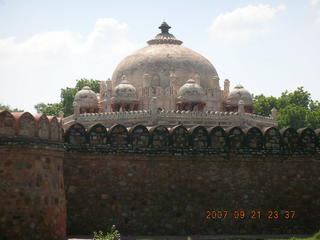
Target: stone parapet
195 140
174 117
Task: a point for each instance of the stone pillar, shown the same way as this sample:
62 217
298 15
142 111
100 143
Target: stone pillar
215 81
226 88
274 112
241 107
61 114
153 105
76 109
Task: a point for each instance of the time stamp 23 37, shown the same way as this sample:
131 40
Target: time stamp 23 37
250 214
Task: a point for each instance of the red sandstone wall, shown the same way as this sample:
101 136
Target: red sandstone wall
166 194
32 197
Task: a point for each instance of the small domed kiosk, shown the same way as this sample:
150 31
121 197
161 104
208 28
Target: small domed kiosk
237 94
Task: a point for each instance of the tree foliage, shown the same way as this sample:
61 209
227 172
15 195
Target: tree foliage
67 97
295 109
8 108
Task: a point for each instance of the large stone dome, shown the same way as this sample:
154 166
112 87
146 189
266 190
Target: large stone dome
156 64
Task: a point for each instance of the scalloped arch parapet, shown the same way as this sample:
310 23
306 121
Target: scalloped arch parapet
139 136
7 124
159 137
97 135
119 136
217 138
272 139
235 138
179 136
25 125
43 126
307 139
290 139
76 134
198 137
254 138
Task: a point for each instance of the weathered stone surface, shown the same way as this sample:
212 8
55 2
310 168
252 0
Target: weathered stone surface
32 197
170 195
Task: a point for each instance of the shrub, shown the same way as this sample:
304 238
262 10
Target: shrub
112 235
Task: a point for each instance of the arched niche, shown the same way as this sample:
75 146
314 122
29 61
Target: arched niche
139 136
254 138
307 139
179 136
198 137
7 124
97 135
43 126
235 138
290 139
159 137
217 138
26 124
55 130
76 134
272 139
119 136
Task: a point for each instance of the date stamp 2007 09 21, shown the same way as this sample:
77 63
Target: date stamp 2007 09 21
251 214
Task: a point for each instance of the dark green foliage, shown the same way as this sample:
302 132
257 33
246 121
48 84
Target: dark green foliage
295 109
50 109
67 97
8 108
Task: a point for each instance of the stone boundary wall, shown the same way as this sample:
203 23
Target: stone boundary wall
165 194
32 196
174 181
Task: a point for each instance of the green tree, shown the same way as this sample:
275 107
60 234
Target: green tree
50 109
67 98
8 108
295 109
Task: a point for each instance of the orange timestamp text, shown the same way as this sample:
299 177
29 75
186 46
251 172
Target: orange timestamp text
251 214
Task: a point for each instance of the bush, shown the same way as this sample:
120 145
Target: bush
112 235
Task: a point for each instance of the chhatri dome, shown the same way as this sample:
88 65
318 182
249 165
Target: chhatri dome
165 83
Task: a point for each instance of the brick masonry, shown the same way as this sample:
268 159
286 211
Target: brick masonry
155 181
170 195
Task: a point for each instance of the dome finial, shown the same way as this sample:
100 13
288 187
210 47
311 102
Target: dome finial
164 27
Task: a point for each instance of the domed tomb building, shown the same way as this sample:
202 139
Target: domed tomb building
166 83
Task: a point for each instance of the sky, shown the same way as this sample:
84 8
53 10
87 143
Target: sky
45 45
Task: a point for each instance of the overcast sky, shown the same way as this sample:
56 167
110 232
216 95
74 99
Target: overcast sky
267 46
